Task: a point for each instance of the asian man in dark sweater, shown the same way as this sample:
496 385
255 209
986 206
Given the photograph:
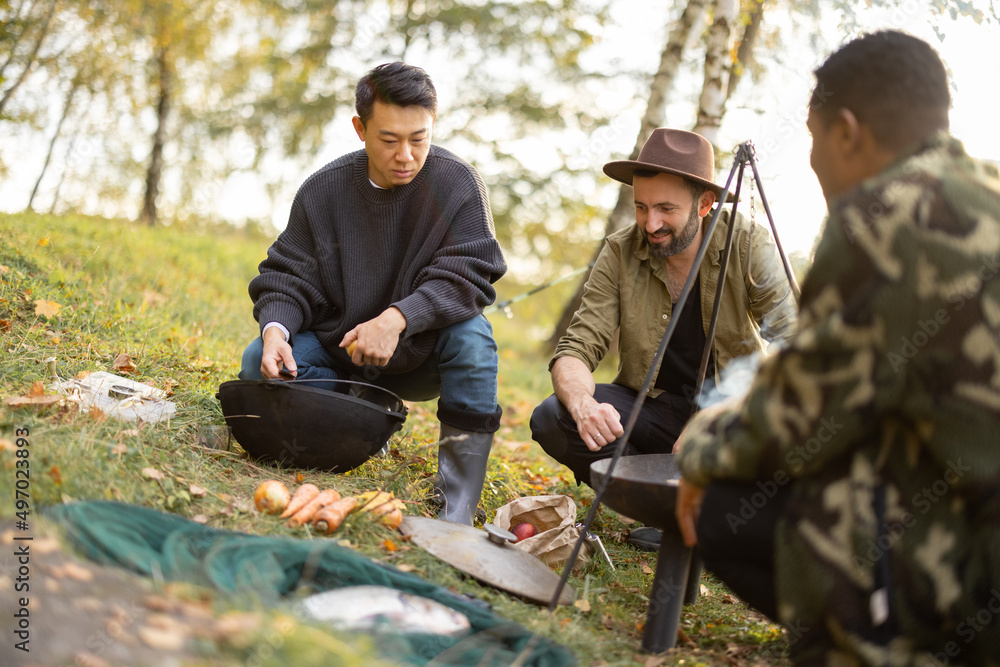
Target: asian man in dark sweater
382 273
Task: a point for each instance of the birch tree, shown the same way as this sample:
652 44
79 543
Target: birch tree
623 214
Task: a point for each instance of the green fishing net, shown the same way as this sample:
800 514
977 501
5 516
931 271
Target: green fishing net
147 541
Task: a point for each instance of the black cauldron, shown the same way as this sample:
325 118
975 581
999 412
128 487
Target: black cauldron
333 425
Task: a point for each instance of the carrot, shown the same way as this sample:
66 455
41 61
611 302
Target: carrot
302 495
305 515
328 519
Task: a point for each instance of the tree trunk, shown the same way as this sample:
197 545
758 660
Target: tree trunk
654 117
30 62
55 137
155 170
718 63
744 52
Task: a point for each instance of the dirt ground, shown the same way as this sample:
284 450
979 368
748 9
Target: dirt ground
82 614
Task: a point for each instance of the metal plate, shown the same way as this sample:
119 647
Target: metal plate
643 487
502 566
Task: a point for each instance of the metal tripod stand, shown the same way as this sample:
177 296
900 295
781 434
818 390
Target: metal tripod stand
661 632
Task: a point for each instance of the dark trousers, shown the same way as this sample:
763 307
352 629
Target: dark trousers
737 543
660 422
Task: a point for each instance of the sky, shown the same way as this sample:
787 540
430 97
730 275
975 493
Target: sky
769 112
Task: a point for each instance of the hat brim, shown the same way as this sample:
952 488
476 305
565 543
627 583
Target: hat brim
624 170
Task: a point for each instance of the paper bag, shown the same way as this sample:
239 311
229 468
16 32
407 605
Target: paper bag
555 518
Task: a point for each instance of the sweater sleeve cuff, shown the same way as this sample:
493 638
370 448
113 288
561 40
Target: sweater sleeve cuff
418 312
286 315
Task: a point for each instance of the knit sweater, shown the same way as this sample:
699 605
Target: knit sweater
351 250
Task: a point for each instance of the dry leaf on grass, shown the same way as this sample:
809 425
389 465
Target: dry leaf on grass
123 364
646 569
197 491
46 308
55 474
200 518
70 570
582 605
164 639
152 473
90 660
32 401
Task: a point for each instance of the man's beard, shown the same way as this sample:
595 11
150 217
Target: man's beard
676 243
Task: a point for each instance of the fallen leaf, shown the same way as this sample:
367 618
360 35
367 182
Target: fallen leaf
83 375
46 308
200 518
85 659
123 363
166 640
151 298
646 569
582 605
4 325
55 474
705 591
389 545
405 567
152 473
37 389
44 545
36 401
197 491
97 414
299 477
71 570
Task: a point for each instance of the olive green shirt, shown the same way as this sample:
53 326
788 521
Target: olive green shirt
627 292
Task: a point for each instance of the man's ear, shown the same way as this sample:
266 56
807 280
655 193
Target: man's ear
847 132
705 202
359 127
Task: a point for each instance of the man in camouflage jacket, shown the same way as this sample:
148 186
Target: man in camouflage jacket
854 492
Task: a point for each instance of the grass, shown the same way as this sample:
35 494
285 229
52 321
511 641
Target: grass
175 301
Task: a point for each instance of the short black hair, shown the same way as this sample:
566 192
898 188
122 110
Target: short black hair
697 189
394 83
893 82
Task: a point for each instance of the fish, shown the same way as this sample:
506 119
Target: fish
382 608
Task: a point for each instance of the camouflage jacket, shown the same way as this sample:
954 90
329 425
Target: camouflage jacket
890 390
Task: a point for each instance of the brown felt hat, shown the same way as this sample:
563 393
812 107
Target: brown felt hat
670 151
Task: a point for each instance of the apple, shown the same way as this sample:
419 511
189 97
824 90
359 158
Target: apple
523 531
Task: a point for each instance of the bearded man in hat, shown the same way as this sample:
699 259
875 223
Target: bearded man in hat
632 289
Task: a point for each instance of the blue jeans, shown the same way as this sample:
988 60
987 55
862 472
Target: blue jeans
461 371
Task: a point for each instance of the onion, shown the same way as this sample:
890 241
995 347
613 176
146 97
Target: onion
271 497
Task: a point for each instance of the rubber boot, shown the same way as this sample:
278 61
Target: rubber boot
462 458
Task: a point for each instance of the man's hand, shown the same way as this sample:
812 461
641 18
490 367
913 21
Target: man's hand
688 509
277 352
375 341
599 424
